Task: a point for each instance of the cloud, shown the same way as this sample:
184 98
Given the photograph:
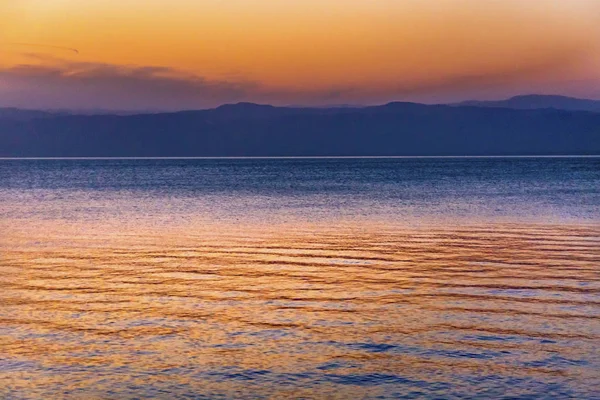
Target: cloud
49 82
57 83
42 46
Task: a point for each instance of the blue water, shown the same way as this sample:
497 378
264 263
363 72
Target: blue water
300 278
490 188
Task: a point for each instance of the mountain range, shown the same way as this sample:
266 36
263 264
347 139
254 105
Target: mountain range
525 125
532 102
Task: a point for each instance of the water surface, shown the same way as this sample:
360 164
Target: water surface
314 278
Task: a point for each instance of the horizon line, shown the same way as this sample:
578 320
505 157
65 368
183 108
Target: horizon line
290 157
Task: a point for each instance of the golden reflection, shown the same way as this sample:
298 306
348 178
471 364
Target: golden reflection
293 310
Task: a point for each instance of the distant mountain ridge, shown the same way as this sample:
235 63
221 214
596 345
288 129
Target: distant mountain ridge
521 102
246 129
16 113
533 101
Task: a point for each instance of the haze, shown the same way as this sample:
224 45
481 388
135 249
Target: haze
184 54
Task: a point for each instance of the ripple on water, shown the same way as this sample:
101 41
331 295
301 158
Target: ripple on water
294 311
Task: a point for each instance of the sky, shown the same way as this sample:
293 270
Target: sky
190 54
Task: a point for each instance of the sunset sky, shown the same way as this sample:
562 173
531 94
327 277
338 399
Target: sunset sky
184 54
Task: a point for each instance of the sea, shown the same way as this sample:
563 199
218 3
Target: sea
303 278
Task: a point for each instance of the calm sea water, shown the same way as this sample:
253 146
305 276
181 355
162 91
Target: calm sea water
300 278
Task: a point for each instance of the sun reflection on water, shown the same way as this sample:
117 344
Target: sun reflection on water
298 310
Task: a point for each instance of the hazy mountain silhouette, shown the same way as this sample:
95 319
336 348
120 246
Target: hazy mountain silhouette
257 130
18 114
534 101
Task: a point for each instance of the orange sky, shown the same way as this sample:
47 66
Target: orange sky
138 54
